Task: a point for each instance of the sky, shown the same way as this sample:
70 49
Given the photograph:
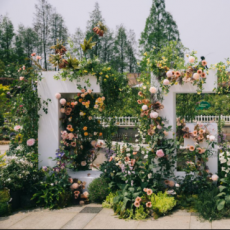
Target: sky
204 25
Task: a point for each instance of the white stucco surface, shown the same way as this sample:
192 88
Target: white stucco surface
48 133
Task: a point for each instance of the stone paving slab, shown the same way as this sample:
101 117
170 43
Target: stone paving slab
79 221
6 222
167 222
44 220
71 218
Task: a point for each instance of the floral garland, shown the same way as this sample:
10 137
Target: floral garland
170 67
81 131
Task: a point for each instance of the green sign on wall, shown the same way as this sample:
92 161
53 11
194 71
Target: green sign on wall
203 105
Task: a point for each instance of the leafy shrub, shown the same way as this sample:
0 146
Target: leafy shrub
4 199
1 119
206 205
98 190
162 203
108 203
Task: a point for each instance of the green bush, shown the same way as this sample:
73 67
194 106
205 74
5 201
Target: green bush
206 206
98 190
4 199
1 119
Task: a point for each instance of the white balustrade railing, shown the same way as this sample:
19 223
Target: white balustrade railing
133 121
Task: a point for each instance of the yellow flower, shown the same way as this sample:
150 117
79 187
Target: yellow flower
176 83
85 128
86 134
101 73
107 76
109 68
85 71
71 130
145 54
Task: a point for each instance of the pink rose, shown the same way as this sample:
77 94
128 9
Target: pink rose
215 177
17 127
144 107
166 82
153 90
62 110
83 163
21 78
103 98
169 73
191 59
86 194
160 153
74 186
89 91
30 142
62 101
33 54
196 76
159 127
70 136
58 95
38 57
154 115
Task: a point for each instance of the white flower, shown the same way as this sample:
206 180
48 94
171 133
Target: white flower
128 149
150 175
128 154
177 185
136 140
153 90
223 169
211 138
215 177
228 163
136 135
223 161
146 156
52 184
228 154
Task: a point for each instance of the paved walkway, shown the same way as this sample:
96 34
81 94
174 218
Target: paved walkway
76 218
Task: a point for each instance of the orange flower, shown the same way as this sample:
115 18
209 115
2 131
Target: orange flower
85 128
149 205
191 148
86 134
100 134
134 153
186 135
71 130
111 158
173 72
69 127
201 131
80 100
138 199
203 75
194 133
73 144
127 158
177 73
199 71
204 63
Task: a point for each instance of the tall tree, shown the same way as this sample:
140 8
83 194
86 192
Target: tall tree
42 26
6 39
29 40
120 48
78 39
159 28
95 17
131 52
58 29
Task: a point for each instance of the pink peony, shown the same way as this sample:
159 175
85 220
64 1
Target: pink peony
74 186
33 54
159 127
62 110
17 127
64 135
191 59
215 177
21 78
58 95
166 82
154 115
83 163
38 57
83 90
30 142
196 76
63 101
153 90
144 107
160 153
169 73
86 194
70 136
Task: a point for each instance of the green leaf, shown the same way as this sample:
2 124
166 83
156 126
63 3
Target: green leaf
221 188
221 194
125 201
220 204
227 199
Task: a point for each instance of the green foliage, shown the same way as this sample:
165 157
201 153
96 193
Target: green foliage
208 207
159 28
53 191
98 190
109 201
4 209
1 119
162 203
